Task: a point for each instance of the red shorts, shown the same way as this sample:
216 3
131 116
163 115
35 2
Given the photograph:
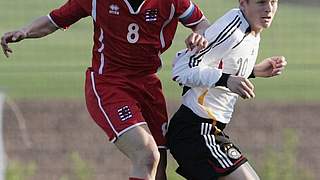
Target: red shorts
117 104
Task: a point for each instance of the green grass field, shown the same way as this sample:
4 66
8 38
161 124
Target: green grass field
54 66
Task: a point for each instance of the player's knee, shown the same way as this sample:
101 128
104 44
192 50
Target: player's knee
244 172
148 157
151 157
250 172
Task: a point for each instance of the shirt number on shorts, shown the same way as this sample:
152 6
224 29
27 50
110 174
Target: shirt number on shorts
133 35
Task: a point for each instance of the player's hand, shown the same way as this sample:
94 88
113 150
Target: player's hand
195 40
241 86
11 37
270 67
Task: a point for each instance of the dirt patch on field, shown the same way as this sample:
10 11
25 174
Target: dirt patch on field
59 128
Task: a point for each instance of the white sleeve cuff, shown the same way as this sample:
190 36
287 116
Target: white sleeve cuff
53 21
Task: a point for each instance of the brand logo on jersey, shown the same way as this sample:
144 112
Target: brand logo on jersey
114 9
252 52
124 113
151 15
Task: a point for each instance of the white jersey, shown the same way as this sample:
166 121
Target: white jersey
232 50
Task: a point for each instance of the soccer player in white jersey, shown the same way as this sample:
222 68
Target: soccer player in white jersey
213 79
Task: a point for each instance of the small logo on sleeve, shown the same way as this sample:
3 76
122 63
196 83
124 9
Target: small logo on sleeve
124 113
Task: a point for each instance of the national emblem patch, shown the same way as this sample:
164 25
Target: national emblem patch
124 113
233 153
151 15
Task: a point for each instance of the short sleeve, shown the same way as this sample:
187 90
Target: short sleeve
67 14
189 13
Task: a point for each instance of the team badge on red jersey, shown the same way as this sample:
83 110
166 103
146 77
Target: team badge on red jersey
114 9
151 15
124 113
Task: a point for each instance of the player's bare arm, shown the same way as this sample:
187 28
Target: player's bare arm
270 67
37 29
196 39
201 26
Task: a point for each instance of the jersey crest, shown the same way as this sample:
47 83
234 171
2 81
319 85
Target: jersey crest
151 15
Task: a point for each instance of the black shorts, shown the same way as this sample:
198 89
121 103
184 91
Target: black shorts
200 153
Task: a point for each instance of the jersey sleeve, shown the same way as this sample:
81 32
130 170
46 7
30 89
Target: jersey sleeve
224 35
193 76
67 14
189 13
201 69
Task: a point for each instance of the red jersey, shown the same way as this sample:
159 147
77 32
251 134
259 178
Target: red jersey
126 41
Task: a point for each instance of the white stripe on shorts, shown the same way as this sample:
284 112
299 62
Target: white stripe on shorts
218 151
100 105
213 147
211 150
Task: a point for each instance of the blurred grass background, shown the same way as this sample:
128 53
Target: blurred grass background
54 66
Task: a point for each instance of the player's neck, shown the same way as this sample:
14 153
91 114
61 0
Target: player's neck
135 4
256 32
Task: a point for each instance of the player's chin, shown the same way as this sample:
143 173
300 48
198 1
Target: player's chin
266 25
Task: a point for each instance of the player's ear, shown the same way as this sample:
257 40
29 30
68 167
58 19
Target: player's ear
241 4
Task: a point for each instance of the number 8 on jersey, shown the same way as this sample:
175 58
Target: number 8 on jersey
133 35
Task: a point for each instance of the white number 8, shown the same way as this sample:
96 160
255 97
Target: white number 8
133 35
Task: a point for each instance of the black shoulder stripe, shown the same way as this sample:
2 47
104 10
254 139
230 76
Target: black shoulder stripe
246 34
221 35
236 23
239 42
197 61
185 90
228 35
196 58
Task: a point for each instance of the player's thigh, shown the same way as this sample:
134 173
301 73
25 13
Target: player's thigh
135 142
244 172
154 111
113 108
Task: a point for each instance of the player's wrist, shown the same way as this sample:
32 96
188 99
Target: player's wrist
223 80
252 75
25 33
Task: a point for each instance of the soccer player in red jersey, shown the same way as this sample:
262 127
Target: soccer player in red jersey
123 93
